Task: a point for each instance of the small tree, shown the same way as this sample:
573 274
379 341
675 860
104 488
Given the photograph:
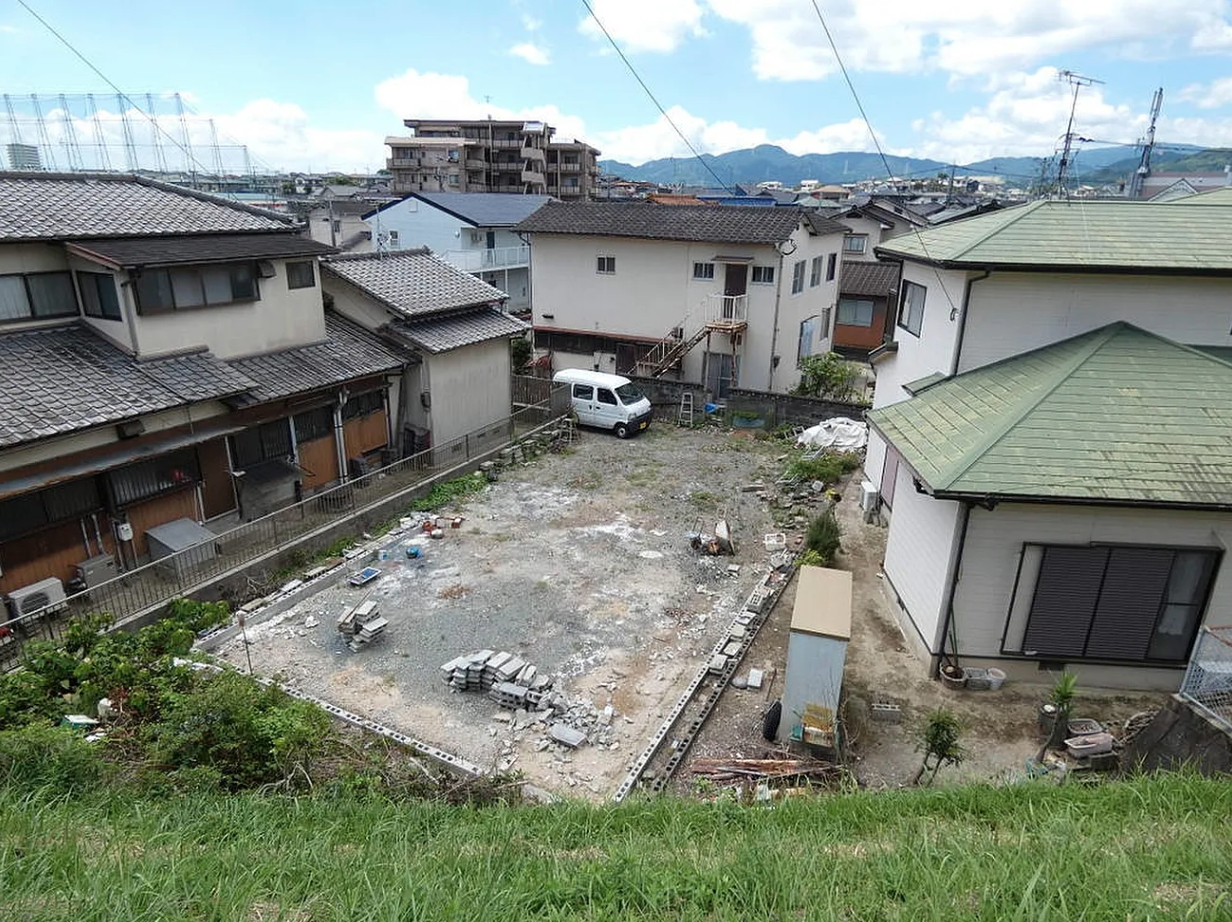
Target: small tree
939 743
520 351
1064 690
824 537
829 376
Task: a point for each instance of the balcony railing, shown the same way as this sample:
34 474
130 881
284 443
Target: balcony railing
507 144
723 309
570 167
533 153
534 177
473 164
494 258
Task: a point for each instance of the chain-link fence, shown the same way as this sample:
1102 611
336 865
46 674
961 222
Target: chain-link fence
153 585
1208 680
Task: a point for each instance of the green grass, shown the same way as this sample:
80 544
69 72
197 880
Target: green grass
1138 850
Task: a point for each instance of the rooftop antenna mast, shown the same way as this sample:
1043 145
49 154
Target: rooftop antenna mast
1077 81
1148 144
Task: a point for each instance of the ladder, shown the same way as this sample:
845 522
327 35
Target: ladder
685 418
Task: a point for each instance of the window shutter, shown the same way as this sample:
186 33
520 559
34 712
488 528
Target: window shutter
1066 593
1129 603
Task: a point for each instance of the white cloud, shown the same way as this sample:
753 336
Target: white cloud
531 54
645 25
1213 95
965 37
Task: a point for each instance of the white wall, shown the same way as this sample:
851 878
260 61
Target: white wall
869 227
280 319
458 405
1014 312
653 291
418 224
919 548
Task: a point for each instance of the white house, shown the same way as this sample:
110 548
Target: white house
471 230
636 288
454 326
1019 416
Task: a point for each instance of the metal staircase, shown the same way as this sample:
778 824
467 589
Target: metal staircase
724 314
669 352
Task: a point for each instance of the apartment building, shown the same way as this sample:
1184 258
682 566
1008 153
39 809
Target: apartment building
491 156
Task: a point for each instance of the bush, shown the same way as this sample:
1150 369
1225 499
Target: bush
827 467
824 537
520 352
54 758
829 376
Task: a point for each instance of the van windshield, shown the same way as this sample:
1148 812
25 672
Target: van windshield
628 394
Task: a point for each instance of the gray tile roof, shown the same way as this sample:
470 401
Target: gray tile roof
486 209
195 248
702 223
55 206
440 334
63 379
412 282
349 352
874 280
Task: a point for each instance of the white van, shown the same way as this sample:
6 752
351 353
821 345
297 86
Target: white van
606 401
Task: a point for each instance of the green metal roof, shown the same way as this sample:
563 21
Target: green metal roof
1081 235
1115 415
1211 197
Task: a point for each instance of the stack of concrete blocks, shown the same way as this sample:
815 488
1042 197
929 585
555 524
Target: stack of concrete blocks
509 680
353 620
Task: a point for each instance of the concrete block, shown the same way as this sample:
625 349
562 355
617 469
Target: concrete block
566 735
717 663
732 648
756 676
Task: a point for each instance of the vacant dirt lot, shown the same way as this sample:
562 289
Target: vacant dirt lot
578 563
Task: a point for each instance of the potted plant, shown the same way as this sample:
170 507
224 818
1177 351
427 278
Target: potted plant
953 675
939 743
1061 698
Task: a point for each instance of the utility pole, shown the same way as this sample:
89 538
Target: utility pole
1077 81
1148 144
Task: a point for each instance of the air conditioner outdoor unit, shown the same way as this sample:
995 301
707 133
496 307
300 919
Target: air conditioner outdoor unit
870 500
43 598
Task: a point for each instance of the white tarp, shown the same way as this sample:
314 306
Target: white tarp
839 433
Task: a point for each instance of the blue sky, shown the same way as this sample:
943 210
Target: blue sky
317 85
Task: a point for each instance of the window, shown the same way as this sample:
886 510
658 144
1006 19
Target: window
266 442
98 295
815 272
161 290
854 312
606 396
301 274
763 275
364 404
583 392
831 266
808 335
606 265
703 270
393 238
1120 602
453 179
911 307
32 511
147 479
336 226
37 296
314 424
855 243
825 322
797 278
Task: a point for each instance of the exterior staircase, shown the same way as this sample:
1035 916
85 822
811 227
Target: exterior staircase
725 314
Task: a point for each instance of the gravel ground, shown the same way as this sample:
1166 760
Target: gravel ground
578 563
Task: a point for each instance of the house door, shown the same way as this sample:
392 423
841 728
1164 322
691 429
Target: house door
491 240
626 358
736 281
720 374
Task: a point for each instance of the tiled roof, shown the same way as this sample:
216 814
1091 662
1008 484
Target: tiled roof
63 379
870 279
349 352
486 209
1093 235
55 206
169 251
1116 415
412 282
440 334
702 223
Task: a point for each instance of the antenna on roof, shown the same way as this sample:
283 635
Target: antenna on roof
1077 81
1148 144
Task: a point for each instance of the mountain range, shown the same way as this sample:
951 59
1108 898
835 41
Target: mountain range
769 163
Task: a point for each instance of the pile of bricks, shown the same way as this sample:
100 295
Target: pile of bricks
509 680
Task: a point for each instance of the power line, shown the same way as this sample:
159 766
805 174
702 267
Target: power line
877 144
642 83
119 93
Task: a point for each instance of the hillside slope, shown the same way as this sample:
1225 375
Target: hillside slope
1142 849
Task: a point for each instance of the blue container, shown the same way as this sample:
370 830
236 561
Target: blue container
413 552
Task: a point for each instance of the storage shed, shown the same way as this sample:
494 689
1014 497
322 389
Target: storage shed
816 652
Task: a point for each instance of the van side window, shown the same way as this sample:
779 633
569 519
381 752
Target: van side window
583 392
606 396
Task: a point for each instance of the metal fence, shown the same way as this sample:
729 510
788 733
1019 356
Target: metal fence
147 588
1208 680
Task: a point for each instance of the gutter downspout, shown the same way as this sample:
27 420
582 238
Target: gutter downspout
962 320
774 332
947 624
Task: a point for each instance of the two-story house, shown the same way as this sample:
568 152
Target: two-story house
166 358
471 230
638 288
1052 435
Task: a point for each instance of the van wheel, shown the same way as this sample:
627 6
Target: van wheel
622 430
